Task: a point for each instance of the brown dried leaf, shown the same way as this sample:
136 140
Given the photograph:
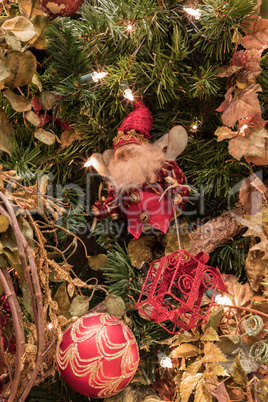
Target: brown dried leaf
215 369
256 269
29 8
33 118
40 23
62 298
244 104
5 134
250 194
227 71
5 70
44 136
252 143
98 261
188 384
185 337
18 102
238 372
21 27
258 37
47 100
202 393
227 99
79 306
240 295
68 137
221 393
228 343
23 66
185 350
225 132
213 353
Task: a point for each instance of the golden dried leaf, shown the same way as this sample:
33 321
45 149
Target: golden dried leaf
185 337
185 350
4 223
213 353
29 8
18 102
213 369
202 394
256 269
71 289
40 23
37 82
238 372
98 261
224 133
210 335
23 66
68 137
188 384
79 283
195 366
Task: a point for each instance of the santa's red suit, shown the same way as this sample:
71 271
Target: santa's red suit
152 203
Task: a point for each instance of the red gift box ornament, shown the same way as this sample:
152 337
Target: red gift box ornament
173 290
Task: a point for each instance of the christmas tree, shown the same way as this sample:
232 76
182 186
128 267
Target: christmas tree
133 214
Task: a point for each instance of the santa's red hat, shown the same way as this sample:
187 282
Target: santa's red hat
135 128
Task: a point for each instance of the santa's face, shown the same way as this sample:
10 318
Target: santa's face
135 165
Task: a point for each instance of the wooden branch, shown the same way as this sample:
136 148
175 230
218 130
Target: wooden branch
34 290
215 232
18 327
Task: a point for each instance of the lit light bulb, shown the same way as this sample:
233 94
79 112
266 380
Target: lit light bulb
196 13
243 128
98 76
223 300
194 127
129 27
50 326
164 360
92 162
128 94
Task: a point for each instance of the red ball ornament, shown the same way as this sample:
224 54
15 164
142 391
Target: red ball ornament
60 8
98 355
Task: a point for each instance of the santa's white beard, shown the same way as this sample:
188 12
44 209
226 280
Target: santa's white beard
142 167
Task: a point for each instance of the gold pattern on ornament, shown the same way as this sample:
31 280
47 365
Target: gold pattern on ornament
129 136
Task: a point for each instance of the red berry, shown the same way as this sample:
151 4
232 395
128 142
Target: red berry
6 307
3 398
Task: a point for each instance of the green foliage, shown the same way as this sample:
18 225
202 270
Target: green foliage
230 257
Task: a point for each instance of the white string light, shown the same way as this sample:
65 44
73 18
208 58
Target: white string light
242 130
223 300
94 76
194 127
92 162
196 13
50 326
164 360
129 27
128 94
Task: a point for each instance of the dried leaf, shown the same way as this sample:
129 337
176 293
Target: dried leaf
240 295
71 289
210 335
23 67
215 369
202 393
40 23
5 70
195 366
258 37
44 136
26 299
238 372
62 298
29 8
18 102
250 194
221 393
213 353
188 384
13 42
227 71
47 100
185 337
227 99
37 82
228 343
32 118
68 137
185 350
225 132
22 28
256 268
244 104
214 319
79 306
98 261
252 143
4 223
6 130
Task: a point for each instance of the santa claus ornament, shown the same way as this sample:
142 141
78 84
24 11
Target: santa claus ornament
98 355
145 183
173 290
60 8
